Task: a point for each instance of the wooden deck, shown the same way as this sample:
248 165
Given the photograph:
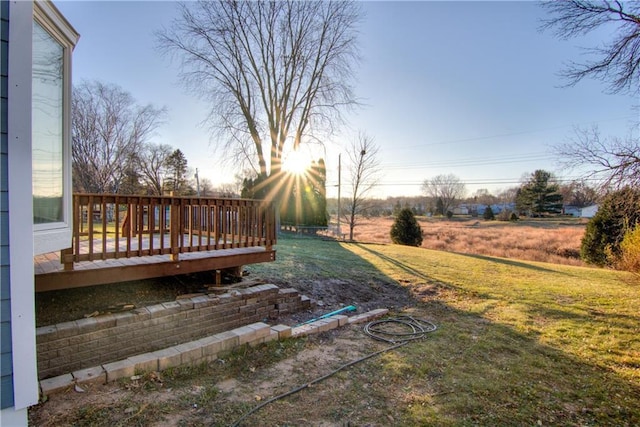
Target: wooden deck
122 238
50 274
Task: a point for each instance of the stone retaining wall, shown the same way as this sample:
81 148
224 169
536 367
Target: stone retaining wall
85 343
196 352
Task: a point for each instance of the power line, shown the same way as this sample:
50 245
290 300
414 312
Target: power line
480 181
503 135
477 161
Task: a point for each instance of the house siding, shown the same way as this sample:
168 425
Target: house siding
589 211
6 363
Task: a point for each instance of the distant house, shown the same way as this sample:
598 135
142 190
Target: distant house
589 211
461 210
496 208
572 210
35 181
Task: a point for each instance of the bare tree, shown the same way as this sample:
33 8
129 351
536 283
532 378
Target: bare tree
275 73
152 163
508 195
206 187
229 190
447 188
611 162
618 62
579 194
484 197
108 128
363 172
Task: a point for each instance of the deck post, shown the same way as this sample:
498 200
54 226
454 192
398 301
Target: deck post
66 258
270 225
175 229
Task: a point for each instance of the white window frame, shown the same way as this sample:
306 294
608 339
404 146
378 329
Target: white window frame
50 237
19 171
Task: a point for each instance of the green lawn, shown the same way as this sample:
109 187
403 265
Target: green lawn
519 343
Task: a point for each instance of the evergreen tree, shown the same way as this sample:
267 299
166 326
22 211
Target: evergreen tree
397 208
406 230
440 207
130 183
253 188
488 214
618 213
318 181
306 203
540 194
176 180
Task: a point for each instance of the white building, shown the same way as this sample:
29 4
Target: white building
589 211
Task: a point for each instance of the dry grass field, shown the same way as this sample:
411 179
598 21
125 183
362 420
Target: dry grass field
546 240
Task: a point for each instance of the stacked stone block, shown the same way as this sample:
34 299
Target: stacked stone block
199 351
85 343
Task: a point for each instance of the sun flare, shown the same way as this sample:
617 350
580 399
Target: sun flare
296 162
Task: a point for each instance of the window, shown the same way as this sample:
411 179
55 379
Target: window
52 43
47 128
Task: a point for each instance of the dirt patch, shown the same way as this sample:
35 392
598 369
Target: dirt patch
330 350
222 391
334 294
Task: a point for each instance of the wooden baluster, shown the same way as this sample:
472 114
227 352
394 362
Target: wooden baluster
103 214
90 227
116 208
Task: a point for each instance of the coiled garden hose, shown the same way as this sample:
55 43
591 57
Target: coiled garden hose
399 329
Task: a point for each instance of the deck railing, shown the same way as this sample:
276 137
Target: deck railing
107 226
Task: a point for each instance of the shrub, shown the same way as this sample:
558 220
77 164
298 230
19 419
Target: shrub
629 258
406 230
513 217
488 214
449 214
606 230
506 215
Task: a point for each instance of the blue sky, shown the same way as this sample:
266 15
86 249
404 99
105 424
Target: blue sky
469 88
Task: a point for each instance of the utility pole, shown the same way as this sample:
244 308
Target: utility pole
197 183
339 178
